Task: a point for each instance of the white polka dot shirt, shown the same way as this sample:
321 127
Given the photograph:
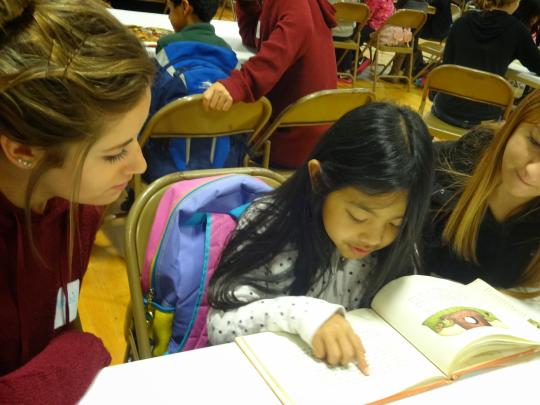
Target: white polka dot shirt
302 315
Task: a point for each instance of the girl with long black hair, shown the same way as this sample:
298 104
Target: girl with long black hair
342 226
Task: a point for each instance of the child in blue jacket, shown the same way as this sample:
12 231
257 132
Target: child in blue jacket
189 61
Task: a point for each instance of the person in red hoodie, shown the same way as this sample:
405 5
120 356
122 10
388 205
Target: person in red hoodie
295 57
74 93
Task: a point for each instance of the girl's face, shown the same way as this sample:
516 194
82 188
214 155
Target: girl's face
520 169
359 224
111 162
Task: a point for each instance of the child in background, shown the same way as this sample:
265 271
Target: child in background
488 40
189 61
343 225
74 93
485 219
381 10
295 57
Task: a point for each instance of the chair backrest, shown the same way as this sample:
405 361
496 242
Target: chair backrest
456 11
352 13
471 84
321 107
406 18
186 118
138 226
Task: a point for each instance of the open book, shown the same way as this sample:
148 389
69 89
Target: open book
421 332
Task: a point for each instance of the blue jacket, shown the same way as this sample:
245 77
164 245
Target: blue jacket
197 64
185 68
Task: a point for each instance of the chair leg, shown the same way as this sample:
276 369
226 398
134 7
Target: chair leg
390 62
343 54
409 74
223 4
233 9
375 64
431 61
266 154
354 67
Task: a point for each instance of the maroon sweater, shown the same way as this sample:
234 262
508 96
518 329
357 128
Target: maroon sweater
37 360
295 57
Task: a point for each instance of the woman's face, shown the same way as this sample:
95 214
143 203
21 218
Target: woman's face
359 224
520 171
110 165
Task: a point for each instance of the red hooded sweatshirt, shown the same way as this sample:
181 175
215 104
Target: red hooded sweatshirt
40 361
295 57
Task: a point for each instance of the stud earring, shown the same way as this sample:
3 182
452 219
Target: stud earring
25 163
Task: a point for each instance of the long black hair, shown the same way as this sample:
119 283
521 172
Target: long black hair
377 148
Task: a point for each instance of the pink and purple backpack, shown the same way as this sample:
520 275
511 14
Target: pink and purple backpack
191 226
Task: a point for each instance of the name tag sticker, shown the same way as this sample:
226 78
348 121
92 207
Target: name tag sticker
73 299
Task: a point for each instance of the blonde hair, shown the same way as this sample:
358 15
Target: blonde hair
66 66
461 230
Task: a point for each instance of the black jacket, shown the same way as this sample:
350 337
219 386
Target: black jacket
504 250
489 41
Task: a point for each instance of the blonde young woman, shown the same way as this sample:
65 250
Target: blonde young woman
73 97
486 204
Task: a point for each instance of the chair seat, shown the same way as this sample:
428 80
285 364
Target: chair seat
442 130
396 49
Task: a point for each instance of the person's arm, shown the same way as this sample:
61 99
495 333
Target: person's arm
374 6
60 374
292 314
248 13
259 74
319 323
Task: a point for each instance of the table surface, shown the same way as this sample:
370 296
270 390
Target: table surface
223 375
516 71
228 30
214 375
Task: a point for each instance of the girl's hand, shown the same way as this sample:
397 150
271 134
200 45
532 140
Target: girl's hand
336 342
216 97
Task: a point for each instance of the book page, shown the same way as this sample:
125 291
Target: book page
528 309
442 317
286 362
